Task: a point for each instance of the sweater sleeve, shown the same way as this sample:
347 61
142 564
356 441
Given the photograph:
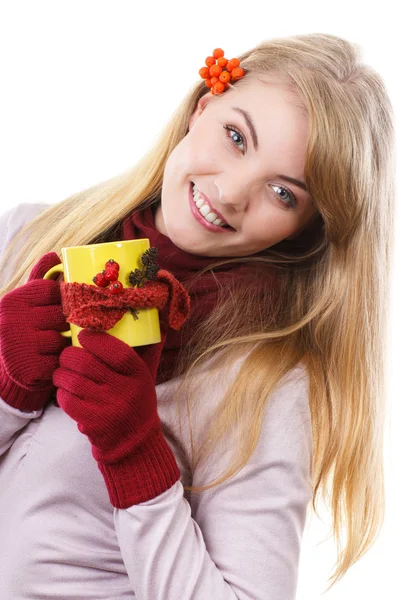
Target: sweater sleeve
12 420
240 540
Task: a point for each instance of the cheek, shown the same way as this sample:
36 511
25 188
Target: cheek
269 227
174 165
196 154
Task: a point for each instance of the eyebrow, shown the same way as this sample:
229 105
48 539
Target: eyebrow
297 182
250 125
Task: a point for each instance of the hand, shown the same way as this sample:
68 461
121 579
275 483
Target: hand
108 388
31 319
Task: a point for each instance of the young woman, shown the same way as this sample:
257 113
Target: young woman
272 202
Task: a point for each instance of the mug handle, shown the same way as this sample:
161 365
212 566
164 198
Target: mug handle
49 275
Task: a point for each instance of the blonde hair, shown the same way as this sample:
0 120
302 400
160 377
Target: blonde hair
332 313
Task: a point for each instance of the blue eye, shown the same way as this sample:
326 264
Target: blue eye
292 198
237 133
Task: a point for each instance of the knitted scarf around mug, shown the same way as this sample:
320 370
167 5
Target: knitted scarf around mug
182 264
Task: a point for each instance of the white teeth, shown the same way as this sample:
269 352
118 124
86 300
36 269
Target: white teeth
205 209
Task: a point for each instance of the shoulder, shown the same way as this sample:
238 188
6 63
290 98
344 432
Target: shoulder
292 391
287 419
11 222
15 218
213 379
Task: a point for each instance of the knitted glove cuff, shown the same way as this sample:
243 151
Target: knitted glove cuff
21 398
147 473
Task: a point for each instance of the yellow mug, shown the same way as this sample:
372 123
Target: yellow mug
81 263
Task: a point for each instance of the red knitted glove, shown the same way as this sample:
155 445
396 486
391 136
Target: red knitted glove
30 343
108 388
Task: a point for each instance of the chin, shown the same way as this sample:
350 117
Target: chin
179 235
186 244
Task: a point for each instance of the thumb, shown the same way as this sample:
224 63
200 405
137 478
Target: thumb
43 265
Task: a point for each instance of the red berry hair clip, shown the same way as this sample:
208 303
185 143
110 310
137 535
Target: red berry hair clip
220 71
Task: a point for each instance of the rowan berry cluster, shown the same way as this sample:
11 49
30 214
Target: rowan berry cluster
220 71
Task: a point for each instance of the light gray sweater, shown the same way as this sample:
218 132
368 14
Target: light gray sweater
61 538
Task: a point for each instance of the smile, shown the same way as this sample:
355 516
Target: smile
205 215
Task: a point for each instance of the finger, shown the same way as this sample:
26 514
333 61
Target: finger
38 292
49 317
47 261
112 351
41 292
75 383
71 404
51 342
81 361
44 368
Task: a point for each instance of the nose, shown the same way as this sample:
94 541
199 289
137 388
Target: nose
234 193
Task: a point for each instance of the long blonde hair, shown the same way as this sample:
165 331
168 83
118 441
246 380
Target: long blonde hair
333 307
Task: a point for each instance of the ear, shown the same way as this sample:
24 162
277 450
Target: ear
201 104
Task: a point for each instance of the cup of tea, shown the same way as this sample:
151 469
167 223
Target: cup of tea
81 263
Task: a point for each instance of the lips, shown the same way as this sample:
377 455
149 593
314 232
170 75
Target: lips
200 218
213 210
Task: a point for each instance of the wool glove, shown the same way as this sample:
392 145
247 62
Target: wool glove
31 319
109 389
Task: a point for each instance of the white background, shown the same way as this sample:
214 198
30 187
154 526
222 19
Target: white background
87 85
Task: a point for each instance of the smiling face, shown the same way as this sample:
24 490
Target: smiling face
240 169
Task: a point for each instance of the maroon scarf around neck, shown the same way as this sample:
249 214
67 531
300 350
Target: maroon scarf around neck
182 264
